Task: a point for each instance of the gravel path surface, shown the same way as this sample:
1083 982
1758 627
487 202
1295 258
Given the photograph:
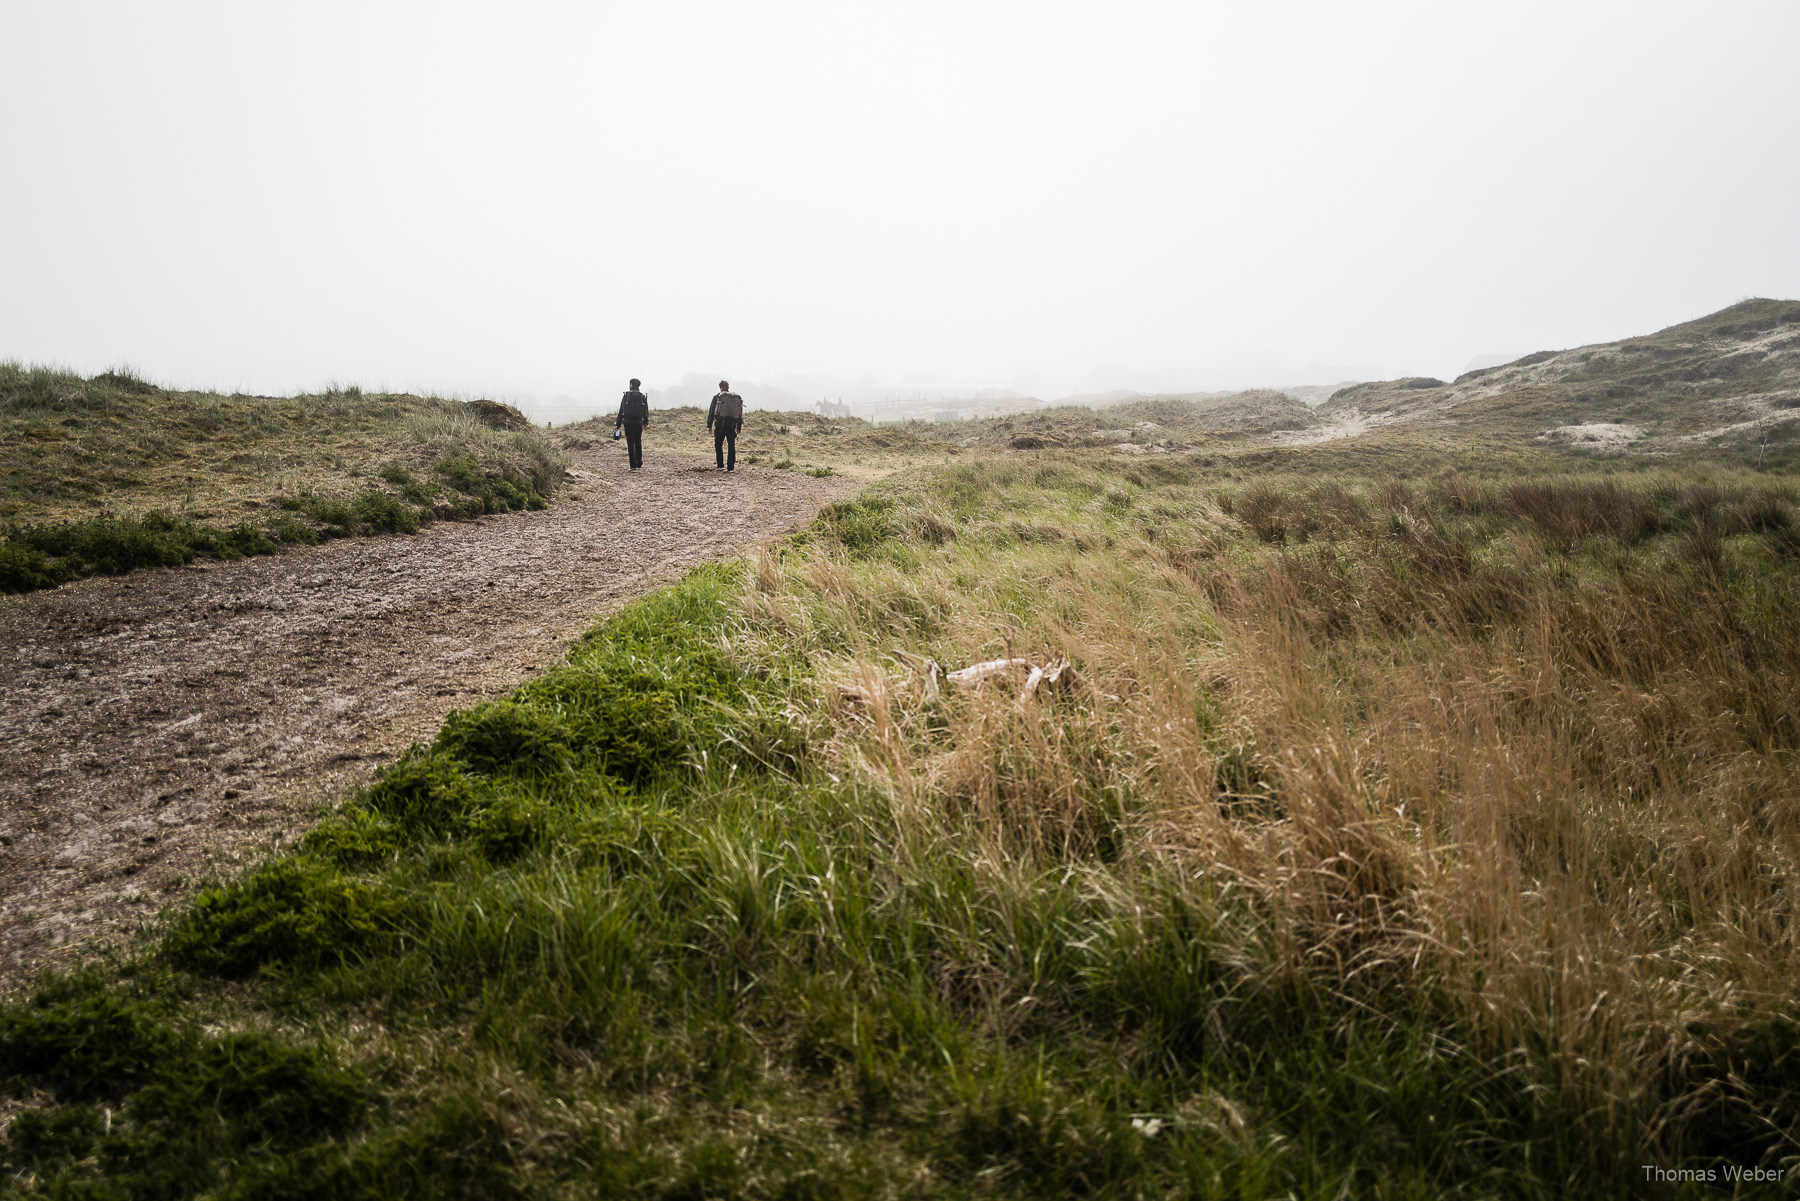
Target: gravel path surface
161 728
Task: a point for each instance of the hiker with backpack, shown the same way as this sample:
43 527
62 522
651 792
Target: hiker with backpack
634 415
725 418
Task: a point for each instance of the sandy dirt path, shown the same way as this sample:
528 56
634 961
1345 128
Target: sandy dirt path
165 727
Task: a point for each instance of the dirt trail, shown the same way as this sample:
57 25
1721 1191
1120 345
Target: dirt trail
159 728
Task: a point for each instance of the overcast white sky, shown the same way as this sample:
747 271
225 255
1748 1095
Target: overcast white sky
519 198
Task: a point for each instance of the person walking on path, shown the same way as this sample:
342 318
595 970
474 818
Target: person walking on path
725 418
634 415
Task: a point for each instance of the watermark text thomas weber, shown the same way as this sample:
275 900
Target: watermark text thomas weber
1727 1174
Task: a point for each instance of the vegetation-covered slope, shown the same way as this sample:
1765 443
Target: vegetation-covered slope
104 474
1729 382
1385 839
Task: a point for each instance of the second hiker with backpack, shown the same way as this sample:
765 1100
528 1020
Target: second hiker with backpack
724 418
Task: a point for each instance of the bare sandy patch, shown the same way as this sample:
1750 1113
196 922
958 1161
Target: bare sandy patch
1596 435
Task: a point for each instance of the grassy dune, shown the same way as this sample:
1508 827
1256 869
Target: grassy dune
105 474
1402 839
1724 388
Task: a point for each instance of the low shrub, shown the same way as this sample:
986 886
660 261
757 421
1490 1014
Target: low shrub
178 1102
356 838
297 911
43 556
411 487
497 491
287 530
372 511
431 796
426 791
85 1049
503 737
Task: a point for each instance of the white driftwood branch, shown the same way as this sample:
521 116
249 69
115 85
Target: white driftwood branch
1036 676
1031 683
1046 675
976 671
928 667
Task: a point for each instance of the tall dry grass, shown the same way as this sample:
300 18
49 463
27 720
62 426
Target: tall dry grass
1519 752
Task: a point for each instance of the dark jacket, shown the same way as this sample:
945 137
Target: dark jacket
634 409
713 409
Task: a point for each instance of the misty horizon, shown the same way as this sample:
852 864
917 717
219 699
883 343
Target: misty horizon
1045 201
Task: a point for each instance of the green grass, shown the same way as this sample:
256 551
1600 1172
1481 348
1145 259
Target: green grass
731 904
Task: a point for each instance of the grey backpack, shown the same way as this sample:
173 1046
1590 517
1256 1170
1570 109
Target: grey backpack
731 405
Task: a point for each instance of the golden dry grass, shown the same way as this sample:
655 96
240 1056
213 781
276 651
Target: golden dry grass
1524 749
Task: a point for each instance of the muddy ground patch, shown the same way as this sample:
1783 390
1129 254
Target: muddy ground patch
162 727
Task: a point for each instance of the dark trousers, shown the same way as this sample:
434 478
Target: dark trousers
725 443
634 443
